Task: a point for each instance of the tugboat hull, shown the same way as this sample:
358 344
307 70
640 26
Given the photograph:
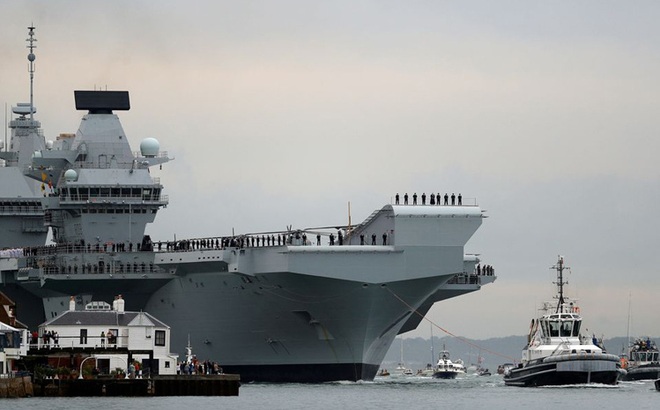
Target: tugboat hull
566 370
642 373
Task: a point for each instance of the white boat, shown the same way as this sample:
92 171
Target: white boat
557 354
427 371
446 369
401 368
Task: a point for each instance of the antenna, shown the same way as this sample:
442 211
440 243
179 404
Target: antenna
559 267
629 311
31 57
5 147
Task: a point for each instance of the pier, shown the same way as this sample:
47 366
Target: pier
164 385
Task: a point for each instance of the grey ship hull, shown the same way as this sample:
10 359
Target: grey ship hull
290 313
276 327
287 327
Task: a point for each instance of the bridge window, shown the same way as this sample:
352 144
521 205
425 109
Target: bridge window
576 328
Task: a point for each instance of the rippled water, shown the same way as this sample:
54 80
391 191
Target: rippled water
471 392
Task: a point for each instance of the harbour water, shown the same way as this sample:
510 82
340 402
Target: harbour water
471 392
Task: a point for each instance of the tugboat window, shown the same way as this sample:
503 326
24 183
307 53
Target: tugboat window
566 328
576 328
554 328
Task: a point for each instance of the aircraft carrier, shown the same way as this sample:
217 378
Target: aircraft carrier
300 305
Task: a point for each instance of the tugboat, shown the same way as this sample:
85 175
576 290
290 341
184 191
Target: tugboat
642 362
556 353
446 369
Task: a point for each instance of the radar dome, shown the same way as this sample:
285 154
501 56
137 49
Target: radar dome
49 144
37 154
70 175
149 147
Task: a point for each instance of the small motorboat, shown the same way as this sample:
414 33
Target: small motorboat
446 369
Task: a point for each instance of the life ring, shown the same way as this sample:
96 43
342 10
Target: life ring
576 309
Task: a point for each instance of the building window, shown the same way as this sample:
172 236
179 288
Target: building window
160 338
83 336
167 364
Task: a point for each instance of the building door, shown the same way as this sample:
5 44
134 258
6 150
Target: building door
103 365
149 367
83 336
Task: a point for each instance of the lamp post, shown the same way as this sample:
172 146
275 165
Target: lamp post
80 375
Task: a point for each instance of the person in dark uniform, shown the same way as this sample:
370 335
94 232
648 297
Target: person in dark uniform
453 199
361 239
423 198
415 198
446 199
432 199
460 199
396 199
438 197
405 199
373 239
332 239
384 238
318 239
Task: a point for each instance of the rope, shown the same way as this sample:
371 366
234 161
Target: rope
447 331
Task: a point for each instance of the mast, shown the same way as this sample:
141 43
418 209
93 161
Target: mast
629 313
4 147
559 267
31 58
432 347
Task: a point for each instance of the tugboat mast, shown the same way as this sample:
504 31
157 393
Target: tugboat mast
559 267
31 57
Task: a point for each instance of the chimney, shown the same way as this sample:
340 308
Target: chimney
120 304
72 304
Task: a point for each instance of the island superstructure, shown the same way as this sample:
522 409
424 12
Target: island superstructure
274 306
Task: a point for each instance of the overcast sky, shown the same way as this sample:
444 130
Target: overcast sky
281 112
